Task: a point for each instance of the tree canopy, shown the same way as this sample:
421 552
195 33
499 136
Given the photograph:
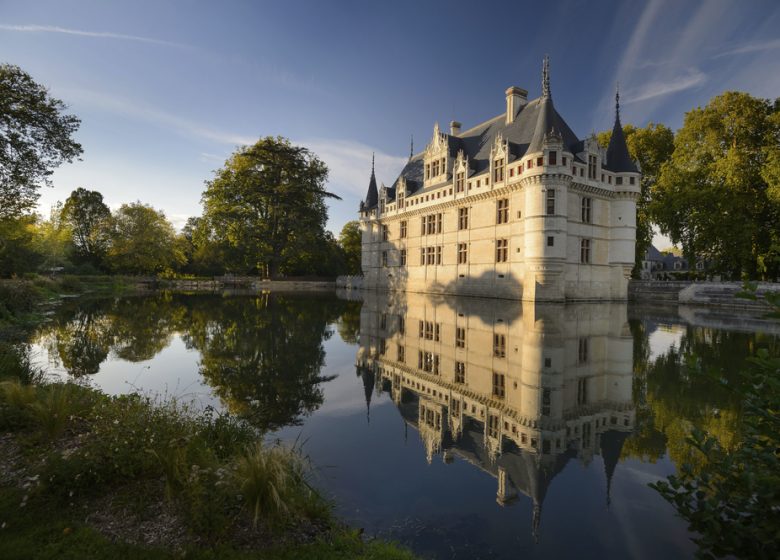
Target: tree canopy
350 240
266 207
143 241
718 194
89 220
35 138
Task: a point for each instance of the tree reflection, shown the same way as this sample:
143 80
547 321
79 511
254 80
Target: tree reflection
263 355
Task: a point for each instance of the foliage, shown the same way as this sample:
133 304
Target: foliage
143 241
35 138
89 220
730 491
52 241
17 246
717 195
266 207
350 240
651 146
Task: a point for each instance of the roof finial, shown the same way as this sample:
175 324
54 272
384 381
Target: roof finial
546 76
411 148
617 100
372 163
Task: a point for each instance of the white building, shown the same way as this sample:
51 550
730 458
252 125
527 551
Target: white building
516 207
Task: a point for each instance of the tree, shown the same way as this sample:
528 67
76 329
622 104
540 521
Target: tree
651 146
89 219
717 194
266 205
53 240
143 241
35 138
350 240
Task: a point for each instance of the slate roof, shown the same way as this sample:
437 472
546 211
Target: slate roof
477 142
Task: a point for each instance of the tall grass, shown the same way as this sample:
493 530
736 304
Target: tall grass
272 482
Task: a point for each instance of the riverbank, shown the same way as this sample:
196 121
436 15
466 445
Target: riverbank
87 475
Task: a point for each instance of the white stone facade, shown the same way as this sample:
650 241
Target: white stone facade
540 216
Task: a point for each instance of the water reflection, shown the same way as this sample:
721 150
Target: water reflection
262 355
516 389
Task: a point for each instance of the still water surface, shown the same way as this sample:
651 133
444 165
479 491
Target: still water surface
463 428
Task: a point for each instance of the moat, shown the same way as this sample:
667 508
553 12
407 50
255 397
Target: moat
461 427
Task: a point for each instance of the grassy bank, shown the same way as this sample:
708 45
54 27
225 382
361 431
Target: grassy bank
23 301
86 475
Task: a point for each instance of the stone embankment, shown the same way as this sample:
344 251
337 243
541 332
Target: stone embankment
239 284
710 294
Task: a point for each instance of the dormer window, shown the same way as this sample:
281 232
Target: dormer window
460 179
591 167
553 158
498 170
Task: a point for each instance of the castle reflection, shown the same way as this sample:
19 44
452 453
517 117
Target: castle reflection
516 389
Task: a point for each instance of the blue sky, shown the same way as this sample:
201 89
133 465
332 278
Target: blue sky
166 90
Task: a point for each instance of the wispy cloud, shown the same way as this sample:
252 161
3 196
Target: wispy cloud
752 47
659 88
95 34
181 125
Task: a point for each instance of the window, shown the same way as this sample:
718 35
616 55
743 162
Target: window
585 251
438 223
530 164
401 325
384 258
422 328
582 353
459 181
422 256
539 161
553 158
631 180
499 345
382 346
385 233
591 167
550 202
498 385
403 257
460 372
401 353
550 241
438 254
502 211
618 180
430 255
586 204
502 250
435 168
493 425
430 330
427 171
403 228
498 170
462 253
463 218
460 337
564 161
546 398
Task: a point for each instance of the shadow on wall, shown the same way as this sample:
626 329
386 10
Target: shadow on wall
489 284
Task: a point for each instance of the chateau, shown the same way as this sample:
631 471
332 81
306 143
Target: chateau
517 389
516 207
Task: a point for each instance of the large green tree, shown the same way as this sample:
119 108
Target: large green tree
89 220
266 207
350 240
143 241
718 194
35 137
651 146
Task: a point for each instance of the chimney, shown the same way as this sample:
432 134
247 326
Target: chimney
515 98
454 128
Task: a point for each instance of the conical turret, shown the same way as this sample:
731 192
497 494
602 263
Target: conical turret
545 122
372 197
618 158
